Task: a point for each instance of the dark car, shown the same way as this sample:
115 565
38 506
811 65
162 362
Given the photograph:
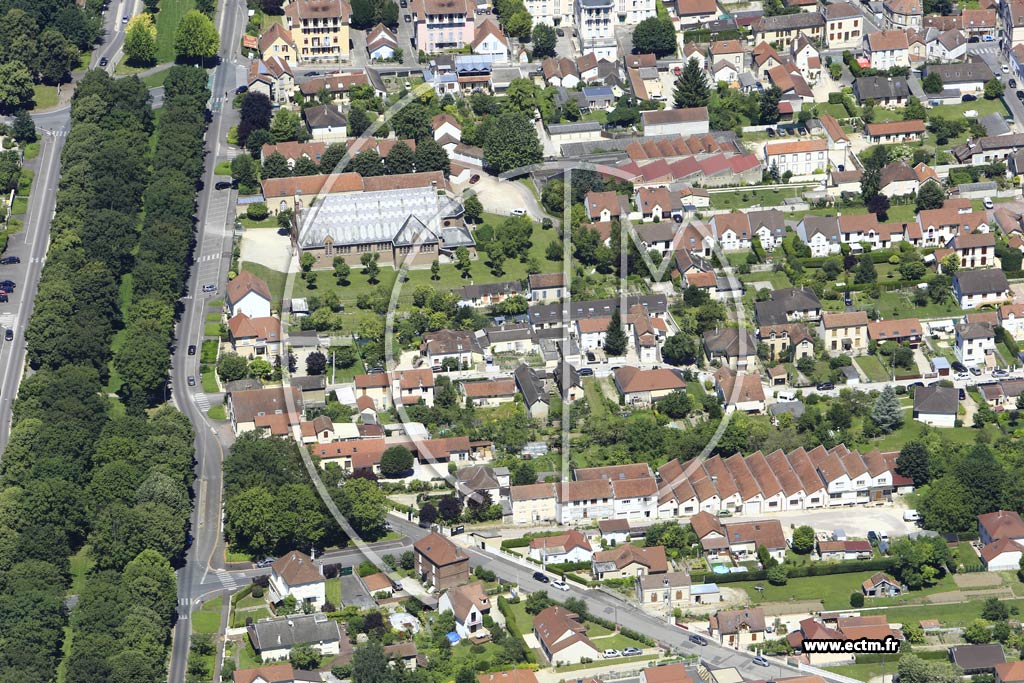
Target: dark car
474 179
872 537
541 576
826 386
974 39
8 260
968 98
771 132
698 639
191 349
1020 95
312 73
958 366
242 89
104 61
222 185
9 334
7 284
560 33
408 18
191 381
1013 83
586 372
963 394
4 298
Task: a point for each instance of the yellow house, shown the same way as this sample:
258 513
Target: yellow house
320 29
845 332
277 41
533 503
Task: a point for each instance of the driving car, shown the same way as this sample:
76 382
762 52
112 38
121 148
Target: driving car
408 18
1012 83
610 654
104 61
124 19
191 349
265 562
631 652
9 334
1005 69
541 576
761 660
191 381
698 639
560 585
586 372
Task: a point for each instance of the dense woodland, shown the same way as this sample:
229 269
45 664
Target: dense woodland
81 469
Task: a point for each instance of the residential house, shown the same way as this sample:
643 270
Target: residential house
732 231
739 391
320 29
881 585
489 393
277 41
481 482
278 410
820 233
786 341
572 546
535 394
274 673
1011 319
491 41
442 24
894 132
783 29
1001 524
799 157
975 250
658 204
546 286
1010 672
255 336
680 122
838 551
888 92
886 49
413 386
768 226
510 676
936 406
628 561
845 332
570 384
901 330
696 12
977 659
488 294
902 14
662 594
454 346
275 638
533 503
745 538
440 563
791 304
968 77
249 295
974 288
469 604
326 123
898 179
738 628
986 150
562 637
734 347
272 77
381 42
297 575
594 26
843 25
947 46
806 58
644 387
614 531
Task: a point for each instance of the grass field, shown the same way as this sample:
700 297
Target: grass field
209 383
223 168
32 150
872 367
742 198
171 12
45 96
833 590
217 413
912 429
207 618
155 80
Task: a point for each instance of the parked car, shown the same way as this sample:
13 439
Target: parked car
999 372
976 372
586 372
560 33
518 212
610 654
4 298
8 260
974 39
209 287
968 98
9 334
408 18
1004 68
222 185
1013 83
312 73
7 285
761 660
632 652
541 576
242 89
826 386
963 394
958 366
771 132
191 349
698 639
560 585
963 375
104 61
265 562
474 179
1020 95
987 202
191 381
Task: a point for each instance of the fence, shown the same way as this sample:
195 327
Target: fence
826 674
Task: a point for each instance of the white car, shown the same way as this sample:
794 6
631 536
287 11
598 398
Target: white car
963 375
987 202
560 585
610 654
1005 69
518 212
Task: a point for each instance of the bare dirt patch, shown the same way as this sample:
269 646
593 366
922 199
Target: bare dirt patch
978 580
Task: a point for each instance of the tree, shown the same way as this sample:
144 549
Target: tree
932 83
316 363
615 338
931 195
305 166
401 159
428 514
255 141
286 125
537 602
196 36
879 205
243 169
803 540
254 114
914 110
778 575
472 206
16 88
24 128
370 267
769 108
231 367
57 57
358 122
341 269
304 657
950 265
913 669
914 461
518 24
691 89
523 473
449 509
856 599
978 632
370 664
149 581
276 166
364 506
367 164
543 41
430 156
511 142
656 35
462 262
994 89
865 272
995 610
887 413
395 462
947 506
140 40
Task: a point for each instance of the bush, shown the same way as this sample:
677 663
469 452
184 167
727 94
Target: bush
835 98
777 575
257 211
856 599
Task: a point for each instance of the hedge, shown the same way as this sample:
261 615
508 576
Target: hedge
629 633
884 564
525 540
1011 344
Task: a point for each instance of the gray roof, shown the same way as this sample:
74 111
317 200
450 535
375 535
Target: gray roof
975 331
242 385
581 127
966 72
789 22
786 301
936 400
309 382
509 332
598 308
298 629
324 116
827 226
731 342
975 658
794 408
986 186
574 377
405 217
530 385
881 87
509 288
982 281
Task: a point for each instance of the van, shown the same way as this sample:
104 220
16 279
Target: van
911 516
786 396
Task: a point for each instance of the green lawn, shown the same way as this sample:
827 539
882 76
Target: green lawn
209 383
956 111
20 206
268 222
275 280
217 412
740 198
155 80
171 12
614 642
778 279
333 591
32 150
208 352
596 400
833 590
207 618
913 429
45 96
223 168
872 367
25 181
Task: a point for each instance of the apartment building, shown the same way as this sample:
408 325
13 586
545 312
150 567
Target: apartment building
442 24
319 29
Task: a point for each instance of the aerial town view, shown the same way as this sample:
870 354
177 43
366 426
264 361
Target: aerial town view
511 341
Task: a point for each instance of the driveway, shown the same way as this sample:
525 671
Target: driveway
353 592
503 196
266 247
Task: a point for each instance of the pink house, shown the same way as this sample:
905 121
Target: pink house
441 24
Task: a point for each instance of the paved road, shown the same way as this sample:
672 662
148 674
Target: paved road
213 239
613 608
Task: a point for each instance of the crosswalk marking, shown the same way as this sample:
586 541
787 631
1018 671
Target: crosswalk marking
203 401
